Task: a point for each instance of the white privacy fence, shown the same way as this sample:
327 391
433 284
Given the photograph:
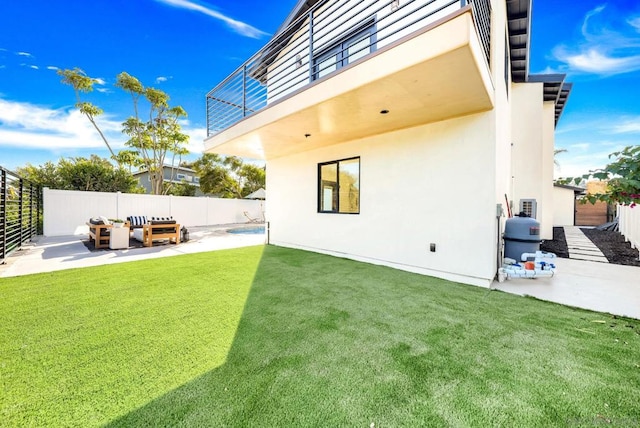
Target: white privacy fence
66 212
629 224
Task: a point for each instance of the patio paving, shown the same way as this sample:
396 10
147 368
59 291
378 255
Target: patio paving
48 254
602 287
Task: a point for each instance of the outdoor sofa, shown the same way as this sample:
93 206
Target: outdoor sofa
147 231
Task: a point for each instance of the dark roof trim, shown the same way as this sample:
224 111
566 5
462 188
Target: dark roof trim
282 37
299 9
555 89
577 190
519 24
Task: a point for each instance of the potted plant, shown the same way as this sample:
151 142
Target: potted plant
117 222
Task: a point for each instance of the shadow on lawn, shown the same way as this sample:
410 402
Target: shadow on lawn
329 342
306 351
262 382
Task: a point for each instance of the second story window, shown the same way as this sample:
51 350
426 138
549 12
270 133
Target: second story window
345 52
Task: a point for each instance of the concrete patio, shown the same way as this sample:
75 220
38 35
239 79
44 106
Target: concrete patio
602 287
596 286
48 254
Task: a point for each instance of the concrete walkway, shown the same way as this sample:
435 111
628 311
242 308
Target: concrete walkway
48 254
580 247
601 287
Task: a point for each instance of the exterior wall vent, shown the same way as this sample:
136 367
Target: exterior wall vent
529 207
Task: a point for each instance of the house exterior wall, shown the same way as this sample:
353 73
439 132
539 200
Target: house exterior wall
563 206
435 183
546 179
501 116
438 180
186 174
427 184
532 154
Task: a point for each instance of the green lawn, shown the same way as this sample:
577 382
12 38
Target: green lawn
271 337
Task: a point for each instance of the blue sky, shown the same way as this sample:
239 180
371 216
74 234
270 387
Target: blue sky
185 47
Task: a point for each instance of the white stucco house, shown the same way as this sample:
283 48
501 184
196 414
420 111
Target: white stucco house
395 132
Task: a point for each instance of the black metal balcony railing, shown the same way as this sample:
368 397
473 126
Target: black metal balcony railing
328 36
20 212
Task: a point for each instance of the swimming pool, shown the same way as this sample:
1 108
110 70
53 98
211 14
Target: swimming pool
251 230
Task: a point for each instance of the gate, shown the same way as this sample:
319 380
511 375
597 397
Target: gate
20 212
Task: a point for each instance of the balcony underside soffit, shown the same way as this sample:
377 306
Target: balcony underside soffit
435 75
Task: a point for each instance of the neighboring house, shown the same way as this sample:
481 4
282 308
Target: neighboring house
176 174
565 204
395 131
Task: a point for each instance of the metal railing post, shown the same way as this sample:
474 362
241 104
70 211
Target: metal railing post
3 212
311 65
21 211
244 91
39 210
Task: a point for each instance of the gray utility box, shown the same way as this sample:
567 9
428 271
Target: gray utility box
521 235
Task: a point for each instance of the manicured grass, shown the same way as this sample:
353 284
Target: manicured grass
310 341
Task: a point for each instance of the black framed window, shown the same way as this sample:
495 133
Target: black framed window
351 49
339 186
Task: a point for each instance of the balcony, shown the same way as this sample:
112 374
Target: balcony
328 74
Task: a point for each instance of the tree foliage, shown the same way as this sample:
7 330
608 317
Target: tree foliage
154 140
622 175
228 177
181 189
93 174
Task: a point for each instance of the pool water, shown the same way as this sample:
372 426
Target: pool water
255 230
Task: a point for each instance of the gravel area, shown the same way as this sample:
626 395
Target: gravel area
612 245
558 245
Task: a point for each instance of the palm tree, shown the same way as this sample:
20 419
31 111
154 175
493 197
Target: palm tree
556 152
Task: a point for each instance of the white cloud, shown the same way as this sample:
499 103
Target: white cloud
627 126
580 147
593 61
162 79
104 90
35 67
575 163
52 67
29 126
610 45
196 139
100 81
26 125
236 26
27 54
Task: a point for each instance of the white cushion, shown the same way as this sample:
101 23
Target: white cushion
137 234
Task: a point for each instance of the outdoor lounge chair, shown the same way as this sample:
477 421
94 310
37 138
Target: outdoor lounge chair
99 232
252 219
